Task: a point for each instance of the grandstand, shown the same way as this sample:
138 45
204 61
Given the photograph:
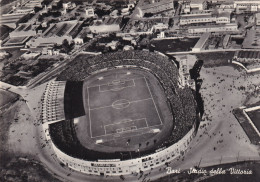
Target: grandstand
180 102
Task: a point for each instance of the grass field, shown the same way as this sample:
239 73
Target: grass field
123 105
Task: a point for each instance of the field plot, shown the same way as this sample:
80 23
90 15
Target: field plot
121 106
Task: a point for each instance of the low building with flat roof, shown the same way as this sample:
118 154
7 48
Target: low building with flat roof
106 25
24 10
89 12
218 28
12 20
223 17
200 44
198 4
34 3
24 30
56 34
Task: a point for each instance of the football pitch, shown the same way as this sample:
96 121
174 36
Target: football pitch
121 106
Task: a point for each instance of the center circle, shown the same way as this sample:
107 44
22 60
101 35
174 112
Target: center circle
120 104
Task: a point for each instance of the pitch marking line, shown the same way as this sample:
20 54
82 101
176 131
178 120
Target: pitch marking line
122 80
126 121
153 100
89 115
113 107
116 89
131 135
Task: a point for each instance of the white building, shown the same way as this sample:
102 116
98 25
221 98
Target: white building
56 34
198 4
219 28
68 5
257 19
247 5
90 12
226 7
106 25
33 3
205 18
23 10
160 26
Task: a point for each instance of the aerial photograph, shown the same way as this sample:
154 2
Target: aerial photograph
129 90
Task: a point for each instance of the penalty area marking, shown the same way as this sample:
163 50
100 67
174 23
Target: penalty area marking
117 83
125 129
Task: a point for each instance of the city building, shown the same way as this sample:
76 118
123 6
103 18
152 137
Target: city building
12 20
218 28
24 30
34 3
106 25
205 18
257 18
157 6
84 33
23 10
68 5
226 7
247 5
56 34
198 4
90 12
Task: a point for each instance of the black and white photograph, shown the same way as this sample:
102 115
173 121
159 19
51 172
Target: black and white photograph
130 90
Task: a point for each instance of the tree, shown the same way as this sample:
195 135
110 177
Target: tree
66 46
147 15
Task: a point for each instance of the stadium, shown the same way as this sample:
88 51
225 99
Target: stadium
119 113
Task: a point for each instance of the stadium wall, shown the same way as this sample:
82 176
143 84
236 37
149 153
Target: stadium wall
116 167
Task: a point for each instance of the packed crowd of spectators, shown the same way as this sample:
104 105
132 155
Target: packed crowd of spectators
181 100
